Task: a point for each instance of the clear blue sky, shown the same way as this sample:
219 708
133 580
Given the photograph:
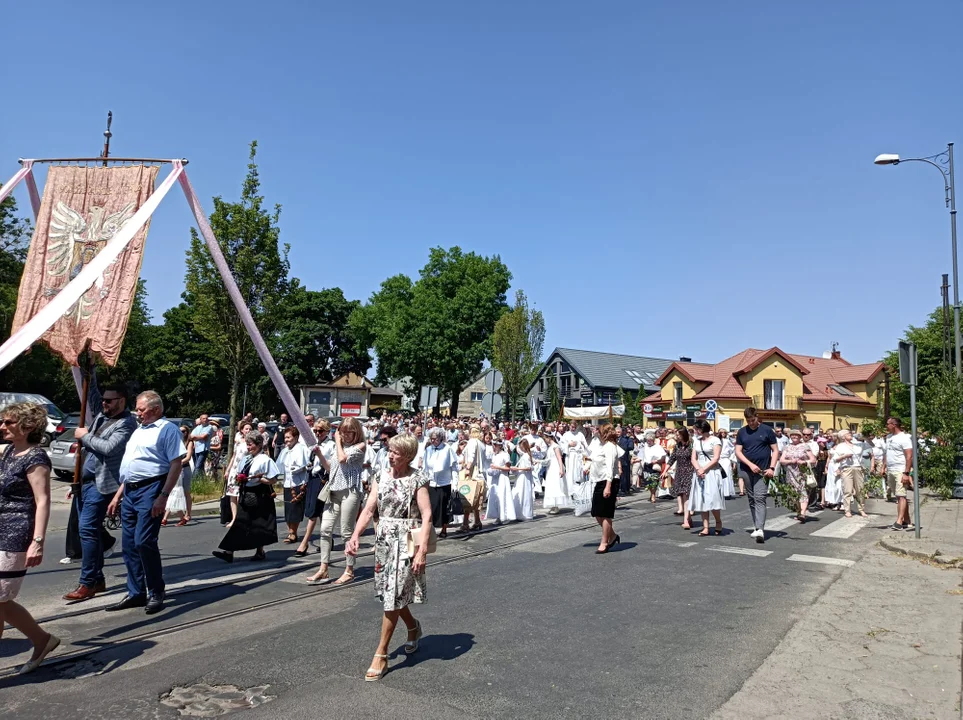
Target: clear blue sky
641 167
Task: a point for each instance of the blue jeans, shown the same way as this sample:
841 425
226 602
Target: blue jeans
93 507
199 459
145 575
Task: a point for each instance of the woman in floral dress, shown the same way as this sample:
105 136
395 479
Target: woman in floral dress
681 456
400 496
796 455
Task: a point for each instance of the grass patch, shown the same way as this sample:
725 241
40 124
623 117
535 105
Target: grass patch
205 487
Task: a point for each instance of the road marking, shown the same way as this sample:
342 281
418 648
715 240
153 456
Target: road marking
844 527
785 521
673 543
742 551
821 560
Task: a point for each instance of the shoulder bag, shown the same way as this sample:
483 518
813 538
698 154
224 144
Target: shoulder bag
411 544
702 449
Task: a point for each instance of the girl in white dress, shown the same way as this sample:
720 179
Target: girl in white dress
234 465
558 492
523 494
725 462
501 506
706 494
834 488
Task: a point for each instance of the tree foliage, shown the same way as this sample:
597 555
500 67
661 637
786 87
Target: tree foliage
517 343
437 330
552 399
248 235
633 413
940 414
929 360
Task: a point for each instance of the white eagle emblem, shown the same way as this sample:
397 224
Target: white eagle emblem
74 242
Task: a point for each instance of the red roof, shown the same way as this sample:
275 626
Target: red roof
722 379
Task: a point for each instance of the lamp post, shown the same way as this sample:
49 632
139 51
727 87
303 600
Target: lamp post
944 163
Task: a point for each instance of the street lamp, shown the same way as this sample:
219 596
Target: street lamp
944 163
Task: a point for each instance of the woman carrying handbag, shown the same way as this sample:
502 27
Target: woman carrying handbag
797 455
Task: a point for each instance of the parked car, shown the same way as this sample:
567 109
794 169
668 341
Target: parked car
71 420
63 454
54 414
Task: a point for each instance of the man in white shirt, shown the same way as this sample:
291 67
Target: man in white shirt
898 463
440 465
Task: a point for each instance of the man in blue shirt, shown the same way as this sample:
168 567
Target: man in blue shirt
757 451
201 435
150 469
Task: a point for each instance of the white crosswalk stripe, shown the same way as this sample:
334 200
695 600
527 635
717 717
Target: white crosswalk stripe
741 551
785 521
844 527
673 543
821 560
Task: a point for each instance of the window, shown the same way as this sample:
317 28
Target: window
566 384
677 394
477 396
541 385
735 425
576 382
814 426
775 391
854 427
843 390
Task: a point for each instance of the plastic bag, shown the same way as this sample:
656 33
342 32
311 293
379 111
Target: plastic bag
582 498
177 501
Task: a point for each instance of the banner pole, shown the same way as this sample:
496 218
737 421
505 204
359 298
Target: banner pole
287 397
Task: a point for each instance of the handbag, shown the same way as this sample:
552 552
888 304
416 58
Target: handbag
582 498
411 544
325 495
226 513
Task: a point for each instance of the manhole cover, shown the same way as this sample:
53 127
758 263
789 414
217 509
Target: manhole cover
202 700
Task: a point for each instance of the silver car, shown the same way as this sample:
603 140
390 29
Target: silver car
63 454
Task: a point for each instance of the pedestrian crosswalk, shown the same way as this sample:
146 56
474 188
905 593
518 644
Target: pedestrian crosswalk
741 551
845 527
821 560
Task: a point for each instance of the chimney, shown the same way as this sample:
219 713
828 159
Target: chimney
835 354
685 359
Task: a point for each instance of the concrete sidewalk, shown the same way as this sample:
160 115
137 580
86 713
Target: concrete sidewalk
884 642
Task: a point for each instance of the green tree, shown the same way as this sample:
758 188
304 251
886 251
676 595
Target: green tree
248 235
939 414
437 330
552 399
929 351
633 413
517 343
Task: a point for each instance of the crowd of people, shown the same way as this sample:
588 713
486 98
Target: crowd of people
415 479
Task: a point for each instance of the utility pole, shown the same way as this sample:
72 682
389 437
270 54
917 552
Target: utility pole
947 353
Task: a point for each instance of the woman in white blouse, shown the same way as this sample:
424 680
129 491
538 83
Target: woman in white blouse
847 457
256 522
344 504
294 461
706 494
605 458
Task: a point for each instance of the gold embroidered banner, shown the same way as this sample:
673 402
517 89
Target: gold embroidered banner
82 208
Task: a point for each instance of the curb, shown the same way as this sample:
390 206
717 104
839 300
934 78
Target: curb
937 558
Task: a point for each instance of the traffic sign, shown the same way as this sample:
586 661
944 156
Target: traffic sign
493 380
429 396
710 414
647 408
491 403
712 405
698 414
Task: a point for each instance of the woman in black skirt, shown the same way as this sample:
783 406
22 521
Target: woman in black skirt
605 460
256 523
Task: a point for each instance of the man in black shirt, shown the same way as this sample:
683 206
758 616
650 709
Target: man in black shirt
757 451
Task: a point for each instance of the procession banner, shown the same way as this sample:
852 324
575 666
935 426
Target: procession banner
82 209
71 293
594 413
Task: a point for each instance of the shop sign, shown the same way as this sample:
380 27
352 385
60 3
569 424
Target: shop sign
675 415
655 416
350 409
693 407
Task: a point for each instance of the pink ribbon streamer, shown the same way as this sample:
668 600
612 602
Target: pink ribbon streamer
31 331
23 172
290 404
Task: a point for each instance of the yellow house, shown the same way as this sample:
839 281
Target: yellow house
786 389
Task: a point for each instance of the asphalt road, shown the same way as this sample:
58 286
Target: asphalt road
524 620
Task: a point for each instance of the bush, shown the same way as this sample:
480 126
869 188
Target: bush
940 414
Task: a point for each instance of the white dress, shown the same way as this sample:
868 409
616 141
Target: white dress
501 506
558 491
574 458
523 494
725 460
706 493
834 488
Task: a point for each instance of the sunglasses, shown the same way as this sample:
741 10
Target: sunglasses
4 421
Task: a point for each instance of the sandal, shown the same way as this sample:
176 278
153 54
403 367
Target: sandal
476 526
258 556
719 529
373 674
848 514
412 645
443 534
345 578
686 527
181 523
321 579
704 533
291 538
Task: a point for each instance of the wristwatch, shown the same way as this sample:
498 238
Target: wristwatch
165 493
38 539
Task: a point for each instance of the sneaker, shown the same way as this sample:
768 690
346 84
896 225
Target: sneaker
755 533
896 526
66 561
910 528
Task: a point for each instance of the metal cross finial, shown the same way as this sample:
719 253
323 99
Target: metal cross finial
107 135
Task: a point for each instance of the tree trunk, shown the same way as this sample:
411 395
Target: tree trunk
235 416
453 408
